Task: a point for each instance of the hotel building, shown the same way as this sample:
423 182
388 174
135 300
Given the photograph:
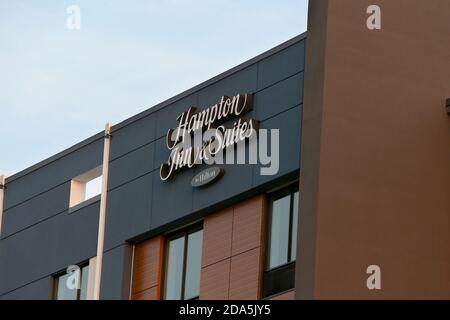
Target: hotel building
363 179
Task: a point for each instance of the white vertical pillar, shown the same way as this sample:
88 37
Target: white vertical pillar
102 215
130 293
91 278
2 197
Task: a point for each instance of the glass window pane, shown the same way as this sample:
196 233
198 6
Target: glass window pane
294 227
193 265
64 293
84 282
279 232
174 269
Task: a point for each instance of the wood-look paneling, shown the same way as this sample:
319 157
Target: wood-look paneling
149 294
245 275
217 228
233 251
147 277
215 281
247 225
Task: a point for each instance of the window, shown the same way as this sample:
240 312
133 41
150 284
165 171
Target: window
282 241
85 186
183 264
69 291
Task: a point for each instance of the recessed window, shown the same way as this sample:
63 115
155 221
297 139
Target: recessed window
85 186
183 264
72 285
282 241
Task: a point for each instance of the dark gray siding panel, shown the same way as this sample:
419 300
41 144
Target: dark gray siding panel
48 247
116 273
78 232
161 153
54 173
128 211
243 81
132 136
279 97
289 125
236 180
36 209
38 290
131 165
281 65
171 199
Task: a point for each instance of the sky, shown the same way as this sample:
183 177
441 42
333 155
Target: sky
59 86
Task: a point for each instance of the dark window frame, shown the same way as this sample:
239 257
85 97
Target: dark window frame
278 280
288 191
56 276
183 233
282 277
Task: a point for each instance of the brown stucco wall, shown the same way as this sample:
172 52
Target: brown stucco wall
375 172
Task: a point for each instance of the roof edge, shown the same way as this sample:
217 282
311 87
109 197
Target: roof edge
158 106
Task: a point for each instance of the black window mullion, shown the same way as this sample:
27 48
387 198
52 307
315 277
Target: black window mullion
183 278
80 283
291 218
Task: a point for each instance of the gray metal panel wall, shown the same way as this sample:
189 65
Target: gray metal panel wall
116 274
38 290
48 247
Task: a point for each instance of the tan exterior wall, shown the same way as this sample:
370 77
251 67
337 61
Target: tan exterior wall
375 175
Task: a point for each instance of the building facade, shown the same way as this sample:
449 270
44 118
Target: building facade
363 179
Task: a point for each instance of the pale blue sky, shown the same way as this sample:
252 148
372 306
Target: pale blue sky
59 86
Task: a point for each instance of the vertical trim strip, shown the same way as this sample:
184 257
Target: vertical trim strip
2 197
130 294
91 278
262 245
102 214
160 268
314 83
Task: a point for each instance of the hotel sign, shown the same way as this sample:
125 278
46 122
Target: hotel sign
185 148
207 176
